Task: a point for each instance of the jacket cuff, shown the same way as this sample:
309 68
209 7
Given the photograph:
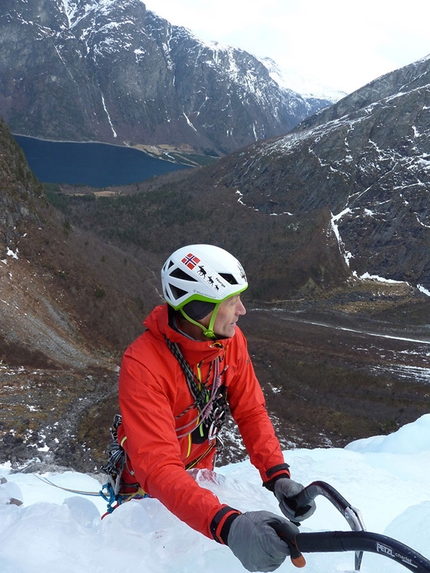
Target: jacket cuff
275 473
220 524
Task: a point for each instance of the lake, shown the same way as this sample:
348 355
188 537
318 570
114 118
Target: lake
94 164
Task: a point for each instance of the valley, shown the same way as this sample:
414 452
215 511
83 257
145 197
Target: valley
335 376
329 377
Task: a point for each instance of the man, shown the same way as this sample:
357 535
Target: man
175 383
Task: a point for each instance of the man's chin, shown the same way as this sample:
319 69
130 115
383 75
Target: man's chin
228 334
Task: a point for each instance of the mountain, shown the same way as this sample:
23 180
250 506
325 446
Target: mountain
111 71
365 160
306 85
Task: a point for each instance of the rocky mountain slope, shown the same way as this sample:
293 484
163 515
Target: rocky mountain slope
63 322
111 71
365 160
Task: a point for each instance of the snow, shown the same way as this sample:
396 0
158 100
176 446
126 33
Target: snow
424 290
108 116
347 255
13 254
189 121
54 531
377 278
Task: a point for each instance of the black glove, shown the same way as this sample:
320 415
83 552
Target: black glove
284 489
255 543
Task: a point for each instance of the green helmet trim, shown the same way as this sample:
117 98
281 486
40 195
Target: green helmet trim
206 298
209 331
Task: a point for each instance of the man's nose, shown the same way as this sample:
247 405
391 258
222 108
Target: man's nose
240 309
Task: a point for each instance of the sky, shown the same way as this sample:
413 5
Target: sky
336 43
54 531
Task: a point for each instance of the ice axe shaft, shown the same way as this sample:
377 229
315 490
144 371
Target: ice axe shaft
338 541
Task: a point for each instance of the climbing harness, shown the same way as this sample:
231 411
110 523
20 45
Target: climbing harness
211 405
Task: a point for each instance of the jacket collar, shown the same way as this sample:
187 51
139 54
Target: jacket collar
194 351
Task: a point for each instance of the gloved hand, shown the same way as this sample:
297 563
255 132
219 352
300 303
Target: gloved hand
286 488
255 543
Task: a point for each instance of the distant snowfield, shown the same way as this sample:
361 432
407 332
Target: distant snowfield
385 477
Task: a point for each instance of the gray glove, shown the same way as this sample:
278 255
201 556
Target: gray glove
284 490
255 543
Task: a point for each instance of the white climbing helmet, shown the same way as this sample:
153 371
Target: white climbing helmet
201 273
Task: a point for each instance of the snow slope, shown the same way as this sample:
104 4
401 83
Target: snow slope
385 477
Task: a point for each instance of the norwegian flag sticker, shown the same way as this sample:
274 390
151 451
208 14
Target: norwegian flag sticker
190 261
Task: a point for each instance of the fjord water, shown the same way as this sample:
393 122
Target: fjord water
94 164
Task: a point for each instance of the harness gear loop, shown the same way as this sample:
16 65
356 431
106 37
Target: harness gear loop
115 491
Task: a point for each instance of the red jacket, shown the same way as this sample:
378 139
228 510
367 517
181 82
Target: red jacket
153 391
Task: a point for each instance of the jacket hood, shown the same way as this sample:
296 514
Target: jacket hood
194 351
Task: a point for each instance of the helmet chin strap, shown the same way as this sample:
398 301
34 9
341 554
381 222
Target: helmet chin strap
209 330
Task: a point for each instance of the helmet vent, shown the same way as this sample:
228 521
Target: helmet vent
229 278
177 292
179 274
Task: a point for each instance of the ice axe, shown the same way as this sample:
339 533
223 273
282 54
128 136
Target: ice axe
357 540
